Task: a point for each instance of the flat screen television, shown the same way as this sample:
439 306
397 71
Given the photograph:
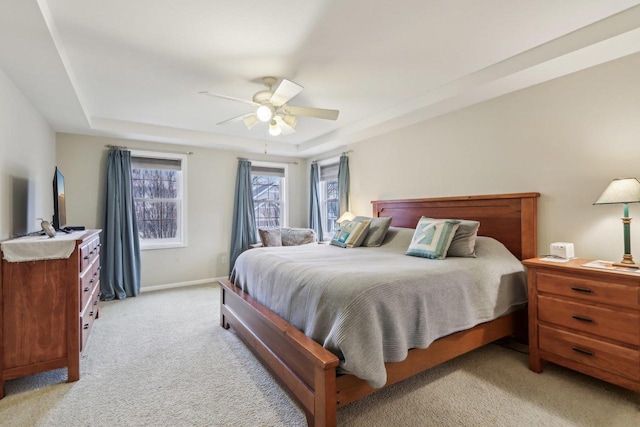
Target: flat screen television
59 205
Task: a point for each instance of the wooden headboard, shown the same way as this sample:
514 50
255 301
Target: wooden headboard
508 218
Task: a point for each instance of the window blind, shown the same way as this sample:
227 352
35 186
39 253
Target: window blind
329 172
155 163
267 170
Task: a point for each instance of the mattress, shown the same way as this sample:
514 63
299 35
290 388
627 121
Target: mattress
371 305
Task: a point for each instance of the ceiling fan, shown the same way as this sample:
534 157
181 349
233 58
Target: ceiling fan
272 107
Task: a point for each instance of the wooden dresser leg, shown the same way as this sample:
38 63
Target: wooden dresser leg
1 389
73 372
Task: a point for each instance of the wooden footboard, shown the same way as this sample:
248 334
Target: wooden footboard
308 370
303 366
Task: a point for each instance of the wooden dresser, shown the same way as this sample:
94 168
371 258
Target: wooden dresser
47 308
586 319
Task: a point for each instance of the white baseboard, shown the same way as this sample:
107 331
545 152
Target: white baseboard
213 281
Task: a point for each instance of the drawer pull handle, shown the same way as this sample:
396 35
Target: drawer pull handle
582 318
86 257
86 326
91 313
90 280
582 351
95 302
583 290
86 289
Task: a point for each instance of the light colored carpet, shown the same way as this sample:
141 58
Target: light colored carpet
162 359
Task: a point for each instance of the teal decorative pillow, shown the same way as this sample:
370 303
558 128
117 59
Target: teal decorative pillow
352 234
432 238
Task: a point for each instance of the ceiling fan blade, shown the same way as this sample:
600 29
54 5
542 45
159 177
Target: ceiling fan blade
231 98
284 92
319 113
236 119
286 128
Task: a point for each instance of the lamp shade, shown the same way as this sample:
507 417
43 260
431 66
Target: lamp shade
621 190
347 216
274 129
250 120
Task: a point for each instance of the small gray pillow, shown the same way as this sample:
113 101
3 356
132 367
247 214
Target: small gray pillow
270 237
377 230
297 236
464 241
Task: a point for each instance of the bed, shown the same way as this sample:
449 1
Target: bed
312 373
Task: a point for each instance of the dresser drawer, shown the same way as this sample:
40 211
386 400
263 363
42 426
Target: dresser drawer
88 316
589 290
88 282
608 357
606 322
89 253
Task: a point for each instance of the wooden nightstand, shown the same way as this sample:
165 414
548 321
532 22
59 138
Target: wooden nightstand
586 319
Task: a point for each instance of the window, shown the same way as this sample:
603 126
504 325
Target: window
329 197
268 187
158 181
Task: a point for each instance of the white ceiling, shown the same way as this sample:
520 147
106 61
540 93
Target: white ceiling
133 68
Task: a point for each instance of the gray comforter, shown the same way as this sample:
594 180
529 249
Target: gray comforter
371 305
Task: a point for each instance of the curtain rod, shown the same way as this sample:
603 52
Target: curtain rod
267 161
344 153
120 147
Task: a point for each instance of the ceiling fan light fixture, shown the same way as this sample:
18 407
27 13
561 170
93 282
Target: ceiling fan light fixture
274 129
264 113
250 120
290 120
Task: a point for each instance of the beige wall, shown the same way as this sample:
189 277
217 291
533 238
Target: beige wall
27 163
211 178
566 139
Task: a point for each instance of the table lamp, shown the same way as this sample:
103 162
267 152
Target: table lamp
347 216
623 191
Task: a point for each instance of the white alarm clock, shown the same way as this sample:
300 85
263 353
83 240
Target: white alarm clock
562 250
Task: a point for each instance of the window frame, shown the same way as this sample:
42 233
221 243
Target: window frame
323 200
284 190
180 241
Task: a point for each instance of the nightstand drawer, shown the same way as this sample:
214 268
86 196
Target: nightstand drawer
610 323
589 290
608 357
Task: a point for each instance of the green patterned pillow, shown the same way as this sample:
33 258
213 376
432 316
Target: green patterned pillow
432 238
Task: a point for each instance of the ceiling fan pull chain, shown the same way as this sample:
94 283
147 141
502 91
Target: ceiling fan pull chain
265 140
